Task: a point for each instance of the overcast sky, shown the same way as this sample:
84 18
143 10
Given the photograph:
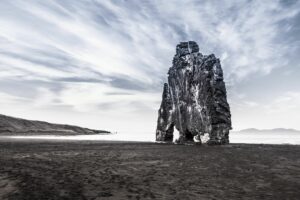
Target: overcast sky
102 64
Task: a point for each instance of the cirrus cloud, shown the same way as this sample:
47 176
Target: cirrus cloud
79 53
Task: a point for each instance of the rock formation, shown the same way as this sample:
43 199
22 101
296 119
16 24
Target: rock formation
194 99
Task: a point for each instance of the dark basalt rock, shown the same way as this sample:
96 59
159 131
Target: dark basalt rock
194 99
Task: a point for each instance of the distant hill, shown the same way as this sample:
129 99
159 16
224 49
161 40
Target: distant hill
17 126
275 130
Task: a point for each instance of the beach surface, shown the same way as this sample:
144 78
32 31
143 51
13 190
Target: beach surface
47 169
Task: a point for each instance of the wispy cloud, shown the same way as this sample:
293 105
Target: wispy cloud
79 53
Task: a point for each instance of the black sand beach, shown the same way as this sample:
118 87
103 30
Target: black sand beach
36 170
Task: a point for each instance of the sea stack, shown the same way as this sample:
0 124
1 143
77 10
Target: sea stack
194 100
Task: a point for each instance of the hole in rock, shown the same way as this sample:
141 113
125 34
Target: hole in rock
175 134
204 138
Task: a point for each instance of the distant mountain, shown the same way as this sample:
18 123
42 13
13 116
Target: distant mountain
275 130
17 126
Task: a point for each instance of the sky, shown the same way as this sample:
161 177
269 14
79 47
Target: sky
102 64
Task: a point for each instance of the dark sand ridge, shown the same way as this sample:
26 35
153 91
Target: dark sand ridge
103 170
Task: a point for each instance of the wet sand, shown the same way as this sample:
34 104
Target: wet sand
74 170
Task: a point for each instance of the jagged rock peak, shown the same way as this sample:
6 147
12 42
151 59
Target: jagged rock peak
194 100
185 48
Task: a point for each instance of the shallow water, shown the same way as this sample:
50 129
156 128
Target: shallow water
111 137
265 138
253 138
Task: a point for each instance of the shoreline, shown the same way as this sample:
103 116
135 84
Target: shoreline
101 138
